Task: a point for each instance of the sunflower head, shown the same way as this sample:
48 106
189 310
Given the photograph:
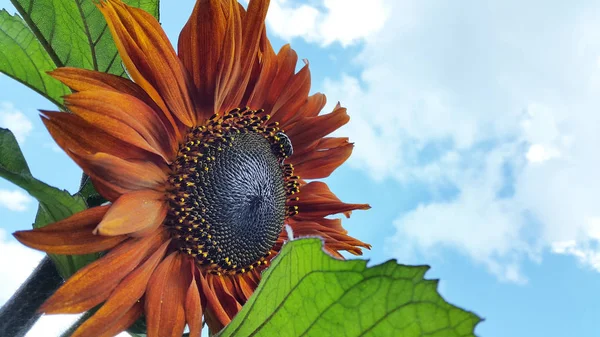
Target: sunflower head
204 156
229 187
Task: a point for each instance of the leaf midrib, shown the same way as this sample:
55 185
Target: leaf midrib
38 34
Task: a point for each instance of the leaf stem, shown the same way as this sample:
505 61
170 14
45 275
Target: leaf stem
19 314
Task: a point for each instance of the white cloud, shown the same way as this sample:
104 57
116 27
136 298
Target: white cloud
15 200
477 96
15 120
326 21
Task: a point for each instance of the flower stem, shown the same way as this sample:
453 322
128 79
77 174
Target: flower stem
19 314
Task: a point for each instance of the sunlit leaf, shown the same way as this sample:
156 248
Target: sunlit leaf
308 293
24 59
54 204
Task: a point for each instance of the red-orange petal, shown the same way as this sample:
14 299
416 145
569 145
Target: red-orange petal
245 288
217 317
193 305
265 70
125 321
320 163
206 48
316 200
149 58
165 297
309 130
222 288
122 175
293 96
104 108
93 284
85 80
311 108
253 27
334 239
72 235
75 135
134 213
127 293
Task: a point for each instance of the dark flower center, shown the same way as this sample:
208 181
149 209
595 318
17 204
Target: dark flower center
229 191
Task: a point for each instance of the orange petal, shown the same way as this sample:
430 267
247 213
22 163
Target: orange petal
217 317
112 111
227 299
228 65
122 175
73 134
90 80
293 96
127 293
93 284
335 240
316 200
165 297
253 27
207 45
265 70
78 221
309 130
193 306
311 108
245 287
72 235
135 213
286 66
125 321
68 243
150 58
320 163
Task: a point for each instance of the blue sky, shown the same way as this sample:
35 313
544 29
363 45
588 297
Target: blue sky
475 125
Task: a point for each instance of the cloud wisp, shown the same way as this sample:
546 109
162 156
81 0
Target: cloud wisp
15 121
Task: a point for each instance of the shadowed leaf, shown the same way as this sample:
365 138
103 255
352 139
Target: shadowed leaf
54 204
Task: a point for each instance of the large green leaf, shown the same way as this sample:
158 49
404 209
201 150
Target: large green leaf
74 32
24 59
54 204
58 26
102 47
308 293
68 32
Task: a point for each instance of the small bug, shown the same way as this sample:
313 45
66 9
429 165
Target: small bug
284 145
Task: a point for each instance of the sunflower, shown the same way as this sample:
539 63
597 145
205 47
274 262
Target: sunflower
203 157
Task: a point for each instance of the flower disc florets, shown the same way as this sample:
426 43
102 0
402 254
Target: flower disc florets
229 190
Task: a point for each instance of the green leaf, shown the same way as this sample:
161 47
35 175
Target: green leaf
58 26
54 204
75 33
24 59
308 293
68 32
103 51
89 194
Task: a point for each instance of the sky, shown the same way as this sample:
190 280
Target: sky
475 130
